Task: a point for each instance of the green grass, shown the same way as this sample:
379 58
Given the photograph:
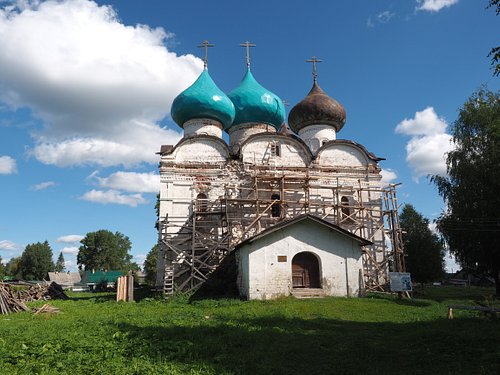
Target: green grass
377 335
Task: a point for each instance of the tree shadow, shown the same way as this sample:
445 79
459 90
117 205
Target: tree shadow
278 345
400 301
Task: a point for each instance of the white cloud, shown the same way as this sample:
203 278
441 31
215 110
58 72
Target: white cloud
9 245
426 150
70 265
7 165
382 17
425 122
99 86
139 259
131 182
73 250
388 176
70 238
385 16
113 196
43 185
433 227
434 5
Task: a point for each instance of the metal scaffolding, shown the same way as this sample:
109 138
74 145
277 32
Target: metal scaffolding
193 248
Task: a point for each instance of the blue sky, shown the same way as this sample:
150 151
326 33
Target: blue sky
86 89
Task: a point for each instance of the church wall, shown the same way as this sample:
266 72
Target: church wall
201 150
342 155
263 277
315 135
240 133
260 151
202 127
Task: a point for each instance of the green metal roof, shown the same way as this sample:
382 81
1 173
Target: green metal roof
203 99
101 276
254 103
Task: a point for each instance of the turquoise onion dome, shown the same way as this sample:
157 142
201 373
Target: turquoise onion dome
203 99
254 103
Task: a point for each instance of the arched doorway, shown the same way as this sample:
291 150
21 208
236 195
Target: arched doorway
305 271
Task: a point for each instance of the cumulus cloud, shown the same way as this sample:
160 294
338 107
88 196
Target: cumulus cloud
130 181
434 5
99 86
70 238
426 150
113 196
139 259
7 165
42 185
73 250
388 176
70 265
9 245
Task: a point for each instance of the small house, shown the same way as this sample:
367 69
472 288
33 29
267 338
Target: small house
304 256
105 278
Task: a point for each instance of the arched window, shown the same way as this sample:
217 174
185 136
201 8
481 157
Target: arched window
276 207
201 202
344 206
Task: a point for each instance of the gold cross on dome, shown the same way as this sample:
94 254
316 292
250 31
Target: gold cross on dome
247 45
205 45
314 60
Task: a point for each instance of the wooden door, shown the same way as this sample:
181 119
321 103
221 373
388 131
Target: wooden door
305 271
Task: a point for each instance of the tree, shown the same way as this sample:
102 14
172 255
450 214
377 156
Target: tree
471 223
150 265
13 268
495 51
424 250
104 250
2 269
36 261
60 263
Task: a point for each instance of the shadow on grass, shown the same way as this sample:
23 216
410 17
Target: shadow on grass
454 293
98 297
321 346
400 301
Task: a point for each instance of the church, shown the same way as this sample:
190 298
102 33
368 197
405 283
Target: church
284 206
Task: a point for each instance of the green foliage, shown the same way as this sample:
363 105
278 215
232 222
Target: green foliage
423 249
60 263
150 265
495 51
286 336
470 225
157 210
36 261
13 268
104 250
2 269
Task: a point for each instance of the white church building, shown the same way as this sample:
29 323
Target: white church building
285 206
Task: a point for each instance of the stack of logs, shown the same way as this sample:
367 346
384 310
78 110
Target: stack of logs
11 301
42 292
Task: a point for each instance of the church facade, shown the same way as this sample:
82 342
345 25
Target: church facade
294 208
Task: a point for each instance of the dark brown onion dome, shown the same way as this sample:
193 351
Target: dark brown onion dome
317 108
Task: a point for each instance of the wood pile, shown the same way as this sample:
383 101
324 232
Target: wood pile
9 302
48 309
42 292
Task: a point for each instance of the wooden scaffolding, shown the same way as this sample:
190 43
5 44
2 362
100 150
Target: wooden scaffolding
193 248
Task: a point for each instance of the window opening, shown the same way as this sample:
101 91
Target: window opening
275 149
201 202
346 211
276 207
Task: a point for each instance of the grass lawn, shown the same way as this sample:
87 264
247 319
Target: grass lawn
374 335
